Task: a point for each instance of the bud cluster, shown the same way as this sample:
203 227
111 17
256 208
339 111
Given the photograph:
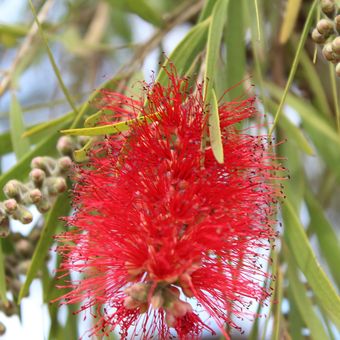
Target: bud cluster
47 179
327 33
16 264
165 296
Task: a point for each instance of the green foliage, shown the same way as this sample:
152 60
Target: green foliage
91 45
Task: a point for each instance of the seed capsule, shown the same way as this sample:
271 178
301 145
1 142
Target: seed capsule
325 27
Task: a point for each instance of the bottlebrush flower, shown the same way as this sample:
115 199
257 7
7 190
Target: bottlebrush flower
159 223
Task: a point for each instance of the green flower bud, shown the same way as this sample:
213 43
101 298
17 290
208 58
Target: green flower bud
337 23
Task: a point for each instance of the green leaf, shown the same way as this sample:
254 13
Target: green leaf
17 127
206 10
234 38
325 139
305 258
295 134
5 143
304 304
292 72
215 130
186 51
327 238
145 11
218 18
278 302
49 125
289 20
81 154
52 60
3 288
60 208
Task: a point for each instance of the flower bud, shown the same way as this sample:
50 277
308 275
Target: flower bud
9 309
37 176
328 7
66 145
23 266
55 185
131 303
327 52
138 291
47 164
24 248
2 329
336 46
12 189
35 196
337 69
65 164
11 206
180 308
44 205
157 300
23 215
325 27
337 23
4 227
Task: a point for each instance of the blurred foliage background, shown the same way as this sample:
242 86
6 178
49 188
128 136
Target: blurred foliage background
49 80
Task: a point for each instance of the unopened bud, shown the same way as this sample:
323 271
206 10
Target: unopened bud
35 196
34 235
157 301
4 227
336 46
318 37
23 215
337 23
327 52
37 176
66 145
337 69
56 185
180 308
328 6
2 329
9 309
24 248
11 206
138 291
23 267
44 163
15 286
65 164
325 27
44 205
12 189
131 303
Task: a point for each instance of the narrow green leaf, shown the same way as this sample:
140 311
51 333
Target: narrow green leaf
186 51
215 130
206 10
145 11
296 324
60 208
218 18
234 38
3 288
295 134
292 72
305 258
93 119
17 127
107 129
278 302
304 304
52 61
45 126
326 236
325 139
5 143
289 20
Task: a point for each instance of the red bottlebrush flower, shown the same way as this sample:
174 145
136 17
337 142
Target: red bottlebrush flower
159 223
